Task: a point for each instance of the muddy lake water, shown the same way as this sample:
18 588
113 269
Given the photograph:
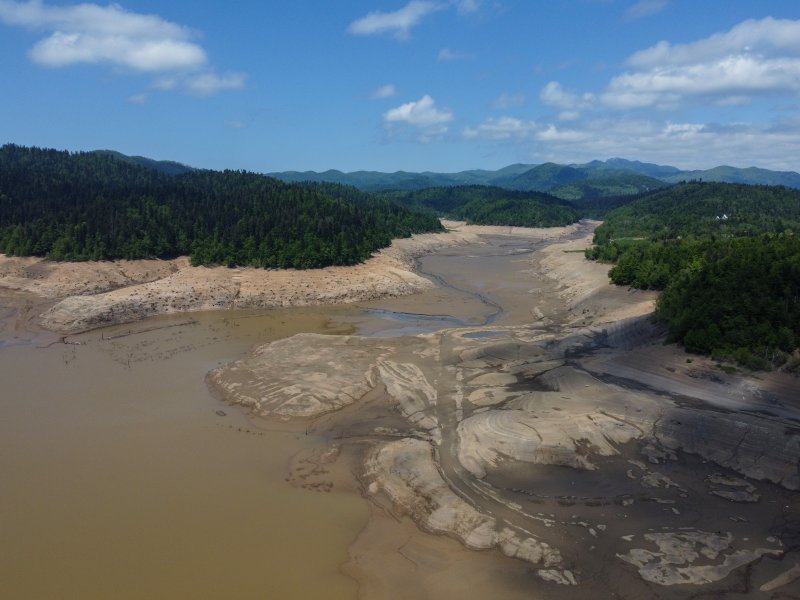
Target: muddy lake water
122 477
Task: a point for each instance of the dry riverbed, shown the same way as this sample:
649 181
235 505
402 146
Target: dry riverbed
516 404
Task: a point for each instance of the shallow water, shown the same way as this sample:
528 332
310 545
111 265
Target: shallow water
120 480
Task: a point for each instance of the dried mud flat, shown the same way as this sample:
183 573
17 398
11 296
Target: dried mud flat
578 454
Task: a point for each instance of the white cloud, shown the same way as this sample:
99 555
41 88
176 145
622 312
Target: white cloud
445 54
554 94
385 91
505 101
93 34
687 145
88 33
553 134
763 37
502 128
430 121
754 57
398 23
752 62
234 124
729 76
645 8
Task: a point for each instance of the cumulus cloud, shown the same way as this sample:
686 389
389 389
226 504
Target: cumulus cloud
421 114
93 34
502 128
88 33
398 23
765 37
571 103
754 57
754 62
686 145
385 91
552 133
645 8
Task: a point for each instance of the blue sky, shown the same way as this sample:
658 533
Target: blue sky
441 85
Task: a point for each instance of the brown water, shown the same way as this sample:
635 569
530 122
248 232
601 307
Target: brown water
119 480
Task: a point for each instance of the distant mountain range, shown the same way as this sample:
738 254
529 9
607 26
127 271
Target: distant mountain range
612 177
595 179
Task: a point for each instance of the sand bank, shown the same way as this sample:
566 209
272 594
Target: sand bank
96 294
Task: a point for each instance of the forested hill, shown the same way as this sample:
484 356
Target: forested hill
487 205
699 209
93 206
728 259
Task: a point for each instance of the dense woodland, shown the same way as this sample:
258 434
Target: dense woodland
728 259
93 206
486 205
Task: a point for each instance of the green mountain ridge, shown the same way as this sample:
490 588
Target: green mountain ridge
595 179
749 175
615 176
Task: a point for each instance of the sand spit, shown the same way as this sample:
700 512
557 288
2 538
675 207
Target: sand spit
106 293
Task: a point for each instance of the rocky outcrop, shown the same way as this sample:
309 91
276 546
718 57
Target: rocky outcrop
306 375
763 449
404 472
674 560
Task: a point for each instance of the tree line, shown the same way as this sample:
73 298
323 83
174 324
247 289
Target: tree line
727 258
94 206
487 205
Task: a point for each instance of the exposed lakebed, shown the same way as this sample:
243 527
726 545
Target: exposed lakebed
126 478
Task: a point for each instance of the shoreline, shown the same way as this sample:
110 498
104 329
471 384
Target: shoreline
86 296
536 443
553 441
